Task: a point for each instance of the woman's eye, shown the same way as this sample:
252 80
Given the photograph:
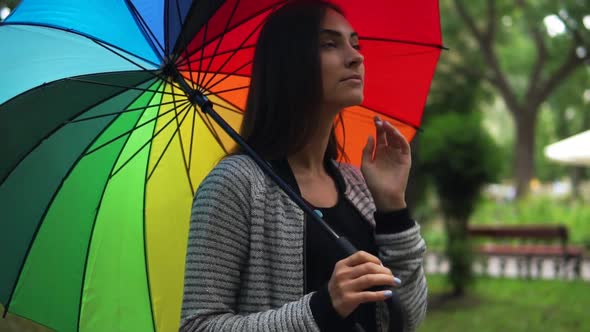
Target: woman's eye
328 45
357 47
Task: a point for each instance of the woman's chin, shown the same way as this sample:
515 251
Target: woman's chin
348 100
353 100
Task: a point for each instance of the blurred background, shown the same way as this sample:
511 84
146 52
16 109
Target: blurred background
507 227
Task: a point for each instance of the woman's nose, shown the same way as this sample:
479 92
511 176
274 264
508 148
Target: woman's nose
355 58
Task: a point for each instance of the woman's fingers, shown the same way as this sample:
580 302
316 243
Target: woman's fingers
367 154
395 138
368 281
380 133
365 297
388 135
360 257
367 268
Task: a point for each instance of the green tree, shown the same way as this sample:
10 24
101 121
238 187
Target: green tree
461 157
510 50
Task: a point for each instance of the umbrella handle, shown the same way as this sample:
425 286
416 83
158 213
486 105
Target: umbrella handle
350 249
396 319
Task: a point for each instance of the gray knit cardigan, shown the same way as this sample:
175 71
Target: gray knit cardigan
244 264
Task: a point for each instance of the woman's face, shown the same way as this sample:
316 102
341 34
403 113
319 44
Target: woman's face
343 71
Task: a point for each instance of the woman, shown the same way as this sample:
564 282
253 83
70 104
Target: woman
254 263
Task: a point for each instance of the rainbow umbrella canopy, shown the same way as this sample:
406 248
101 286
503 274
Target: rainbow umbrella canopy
102 145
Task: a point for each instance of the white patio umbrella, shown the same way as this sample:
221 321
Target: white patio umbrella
574 150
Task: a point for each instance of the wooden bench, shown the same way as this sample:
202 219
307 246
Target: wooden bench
529 244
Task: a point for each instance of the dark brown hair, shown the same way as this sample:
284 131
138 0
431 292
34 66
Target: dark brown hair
286 87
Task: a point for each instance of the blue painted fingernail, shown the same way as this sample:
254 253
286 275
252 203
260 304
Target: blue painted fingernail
319 213
397 281
388 293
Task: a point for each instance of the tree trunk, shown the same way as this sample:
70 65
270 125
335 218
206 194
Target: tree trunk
458 250
524 158
576 174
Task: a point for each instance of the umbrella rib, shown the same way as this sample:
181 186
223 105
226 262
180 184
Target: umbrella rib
402 41
145 252
116 85
135 127
235 51
230 50
126 133
66 78
188 55
96 211
228 75
207 122
169 141
145 26
399 55
190 150
61 126
225 107
227 90
220 40
129 110
185 106
50 26
186 165
183 39
110 49
262 10
166 30
144 225
34 236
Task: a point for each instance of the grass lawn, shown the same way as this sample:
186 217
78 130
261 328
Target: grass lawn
510 305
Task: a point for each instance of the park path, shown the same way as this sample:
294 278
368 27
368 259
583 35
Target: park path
434 264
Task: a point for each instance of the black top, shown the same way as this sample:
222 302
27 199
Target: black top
322 252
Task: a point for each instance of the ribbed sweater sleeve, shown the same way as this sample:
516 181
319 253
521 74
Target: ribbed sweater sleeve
218 250
403 254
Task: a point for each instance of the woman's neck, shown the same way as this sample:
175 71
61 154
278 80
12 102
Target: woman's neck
310 159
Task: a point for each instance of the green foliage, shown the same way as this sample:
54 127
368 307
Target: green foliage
460 157
516 63
509 305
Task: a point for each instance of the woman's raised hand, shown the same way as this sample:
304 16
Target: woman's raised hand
386 166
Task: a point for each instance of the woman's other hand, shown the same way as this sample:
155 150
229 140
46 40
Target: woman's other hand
351 279
386 166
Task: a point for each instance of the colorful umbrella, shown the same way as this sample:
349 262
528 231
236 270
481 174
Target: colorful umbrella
103 146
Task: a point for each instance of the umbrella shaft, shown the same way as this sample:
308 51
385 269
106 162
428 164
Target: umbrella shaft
206 107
